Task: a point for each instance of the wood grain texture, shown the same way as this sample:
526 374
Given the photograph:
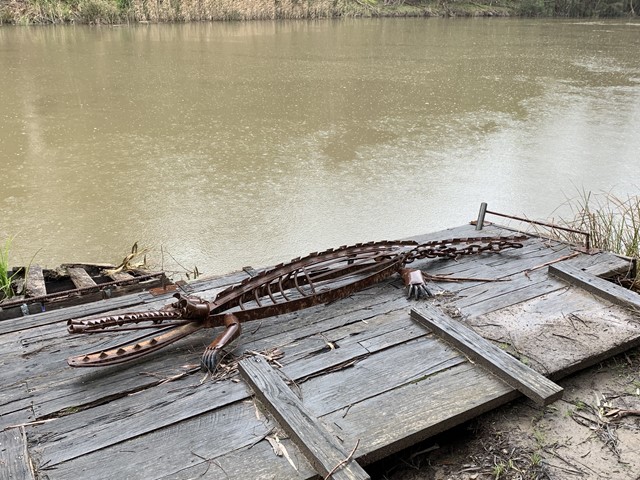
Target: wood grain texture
319 446
526 380
80 277
597 286
14 458
399 418
34 285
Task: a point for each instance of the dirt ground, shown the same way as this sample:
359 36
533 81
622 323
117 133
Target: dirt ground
592 433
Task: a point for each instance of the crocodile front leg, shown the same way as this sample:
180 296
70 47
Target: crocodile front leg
213 353
415 282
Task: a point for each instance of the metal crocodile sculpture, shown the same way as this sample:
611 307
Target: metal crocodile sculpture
301 283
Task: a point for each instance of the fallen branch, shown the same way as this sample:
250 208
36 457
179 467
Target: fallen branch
561 259
343 462
445 278
621 412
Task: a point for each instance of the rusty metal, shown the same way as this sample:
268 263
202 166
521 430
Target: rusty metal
301 283
484 211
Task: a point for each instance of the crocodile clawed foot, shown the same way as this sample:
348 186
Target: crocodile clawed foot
213 353
415 282
418 291
211 358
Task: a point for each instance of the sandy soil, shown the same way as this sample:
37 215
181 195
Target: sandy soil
592 433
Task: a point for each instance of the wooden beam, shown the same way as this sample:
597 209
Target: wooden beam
516 374
14 458
318 445
598 286
34 283
80 277
121 276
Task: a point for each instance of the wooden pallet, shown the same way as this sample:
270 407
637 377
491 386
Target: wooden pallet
72 284
369 380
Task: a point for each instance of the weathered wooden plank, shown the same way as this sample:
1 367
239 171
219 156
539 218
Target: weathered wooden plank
34 285
509 298
255 462
14 458
120 276
529 382
489 290
165 451
80 277
397 419
603 264
319 446
16 418
131 416
597 286
378 373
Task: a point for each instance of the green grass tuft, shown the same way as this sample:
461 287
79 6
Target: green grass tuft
5 279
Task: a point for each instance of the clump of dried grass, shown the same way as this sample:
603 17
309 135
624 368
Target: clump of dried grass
613 222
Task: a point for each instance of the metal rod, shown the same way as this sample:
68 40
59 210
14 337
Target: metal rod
544 224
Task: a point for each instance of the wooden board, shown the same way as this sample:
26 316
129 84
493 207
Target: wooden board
597 286
121 276
526 380
34 285
320 447
14 458
80 277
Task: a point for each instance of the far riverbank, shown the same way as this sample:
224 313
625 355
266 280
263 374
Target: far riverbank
113 12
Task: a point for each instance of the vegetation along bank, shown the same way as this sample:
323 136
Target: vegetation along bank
26 12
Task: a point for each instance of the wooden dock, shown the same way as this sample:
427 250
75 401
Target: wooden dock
317 393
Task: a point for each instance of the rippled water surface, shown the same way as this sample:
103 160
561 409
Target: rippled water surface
231 144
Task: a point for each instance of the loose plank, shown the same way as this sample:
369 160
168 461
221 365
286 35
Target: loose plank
120 276
80 277
34 283
14 458
318 445
529 382
599 287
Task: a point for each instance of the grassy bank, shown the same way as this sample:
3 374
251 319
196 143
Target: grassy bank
28 12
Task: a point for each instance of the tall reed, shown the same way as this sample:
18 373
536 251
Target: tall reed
613 222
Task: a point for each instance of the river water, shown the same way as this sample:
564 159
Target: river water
231 144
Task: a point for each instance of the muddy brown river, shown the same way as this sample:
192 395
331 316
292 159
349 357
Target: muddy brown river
222 145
